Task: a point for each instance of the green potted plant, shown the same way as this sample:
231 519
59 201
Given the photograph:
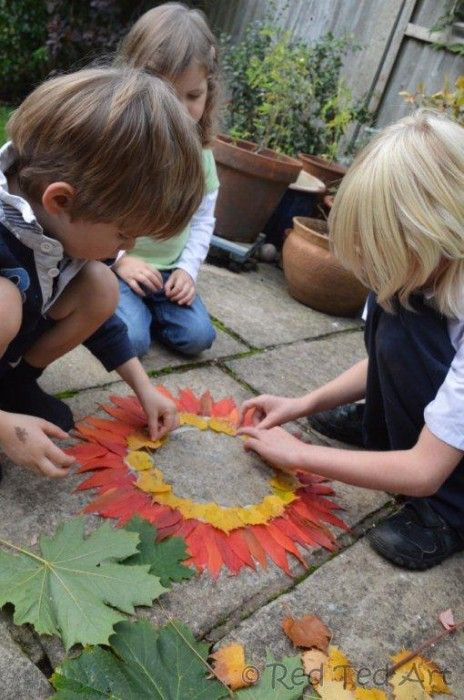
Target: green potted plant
284 96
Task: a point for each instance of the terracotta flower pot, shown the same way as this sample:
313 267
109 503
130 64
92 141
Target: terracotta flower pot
327 171
314 275
252 185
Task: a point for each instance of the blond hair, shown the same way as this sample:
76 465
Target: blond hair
165 41
119 138
398 218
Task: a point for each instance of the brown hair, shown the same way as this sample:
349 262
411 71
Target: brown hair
165 40
118 137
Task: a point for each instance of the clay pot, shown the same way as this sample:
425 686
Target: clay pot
314 275
327 171
252 184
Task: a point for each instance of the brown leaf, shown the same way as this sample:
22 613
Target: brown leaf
307 632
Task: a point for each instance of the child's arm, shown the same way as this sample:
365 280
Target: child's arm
161 413
180 286
274 410
419 471
26 439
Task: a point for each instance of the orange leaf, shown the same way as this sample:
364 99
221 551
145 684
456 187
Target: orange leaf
307 632
222 408
162 390
229 665
255 547
273 548
188 402
248 417
215 560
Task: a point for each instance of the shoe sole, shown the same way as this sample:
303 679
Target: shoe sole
321 429
405 562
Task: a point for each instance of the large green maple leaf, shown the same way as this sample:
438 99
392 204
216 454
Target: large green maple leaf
165 558
76 587
144 663
281 680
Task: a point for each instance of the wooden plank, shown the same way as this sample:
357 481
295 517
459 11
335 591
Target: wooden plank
415 31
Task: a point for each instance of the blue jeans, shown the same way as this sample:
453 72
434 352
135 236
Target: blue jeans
186 329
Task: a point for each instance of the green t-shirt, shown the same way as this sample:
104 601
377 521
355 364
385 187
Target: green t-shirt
164 254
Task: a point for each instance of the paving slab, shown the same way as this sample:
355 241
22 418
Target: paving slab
20 679
79 369
373 610
258 307
298 368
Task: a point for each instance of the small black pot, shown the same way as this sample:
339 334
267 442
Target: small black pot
300 199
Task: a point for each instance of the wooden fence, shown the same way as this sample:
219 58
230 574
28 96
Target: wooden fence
396 52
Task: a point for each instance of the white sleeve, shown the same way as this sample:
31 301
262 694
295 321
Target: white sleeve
201 230
444 416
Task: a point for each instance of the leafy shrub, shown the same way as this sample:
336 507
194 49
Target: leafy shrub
451 102
285 94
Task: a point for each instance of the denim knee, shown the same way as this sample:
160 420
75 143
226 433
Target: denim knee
140 340
192 339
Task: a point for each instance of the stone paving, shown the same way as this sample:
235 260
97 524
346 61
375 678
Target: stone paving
267 342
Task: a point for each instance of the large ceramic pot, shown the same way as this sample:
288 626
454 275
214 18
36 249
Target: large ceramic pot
252 184
314 275
327 171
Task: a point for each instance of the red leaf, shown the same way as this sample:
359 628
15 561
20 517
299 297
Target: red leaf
316 516
256 550
109 461
248 417
215 560
162 390
273 548
231 560
186 527
240 548
206 404
196 546
115 427
234 417
84 452
296 532
188 402
130 405
222 408
104 479
284 540
124 417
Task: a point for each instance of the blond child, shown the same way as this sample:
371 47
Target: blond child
158 282
397 223
76 187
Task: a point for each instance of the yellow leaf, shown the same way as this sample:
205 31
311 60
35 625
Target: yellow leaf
136 441
314 661
152 482
334 690
416 676
229 665
369 694
220 425
194 420
460 82
139 460
339 668
270 507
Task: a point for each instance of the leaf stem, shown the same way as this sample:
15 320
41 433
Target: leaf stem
24 551
428 643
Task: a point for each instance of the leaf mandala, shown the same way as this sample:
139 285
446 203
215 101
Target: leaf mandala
295 513
76 588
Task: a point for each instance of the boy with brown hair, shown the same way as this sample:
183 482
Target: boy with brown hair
77 185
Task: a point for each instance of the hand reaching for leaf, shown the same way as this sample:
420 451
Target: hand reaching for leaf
274 410
180 288
139 275
26 441
160 411
275 446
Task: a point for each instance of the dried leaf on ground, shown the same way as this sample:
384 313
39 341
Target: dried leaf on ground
229 666
447 619
307 632
77 586
143 663
419 677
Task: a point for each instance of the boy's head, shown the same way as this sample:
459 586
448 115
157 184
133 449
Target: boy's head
397 219
108 149
176 43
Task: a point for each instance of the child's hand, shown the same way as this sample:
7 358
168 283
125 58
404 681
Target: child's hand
136 272
180 288
26 441
161 413
275 446
273 410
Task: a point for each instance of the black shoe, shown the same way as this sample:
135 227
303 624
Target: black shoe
416 537
343 423
20 393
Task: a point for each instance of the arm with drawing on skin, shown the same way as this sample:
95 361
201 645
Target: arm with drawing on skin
419 471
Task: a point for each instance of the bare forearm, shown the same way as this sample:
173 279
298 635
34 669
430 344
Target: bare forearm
347 387
419 471
133 373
